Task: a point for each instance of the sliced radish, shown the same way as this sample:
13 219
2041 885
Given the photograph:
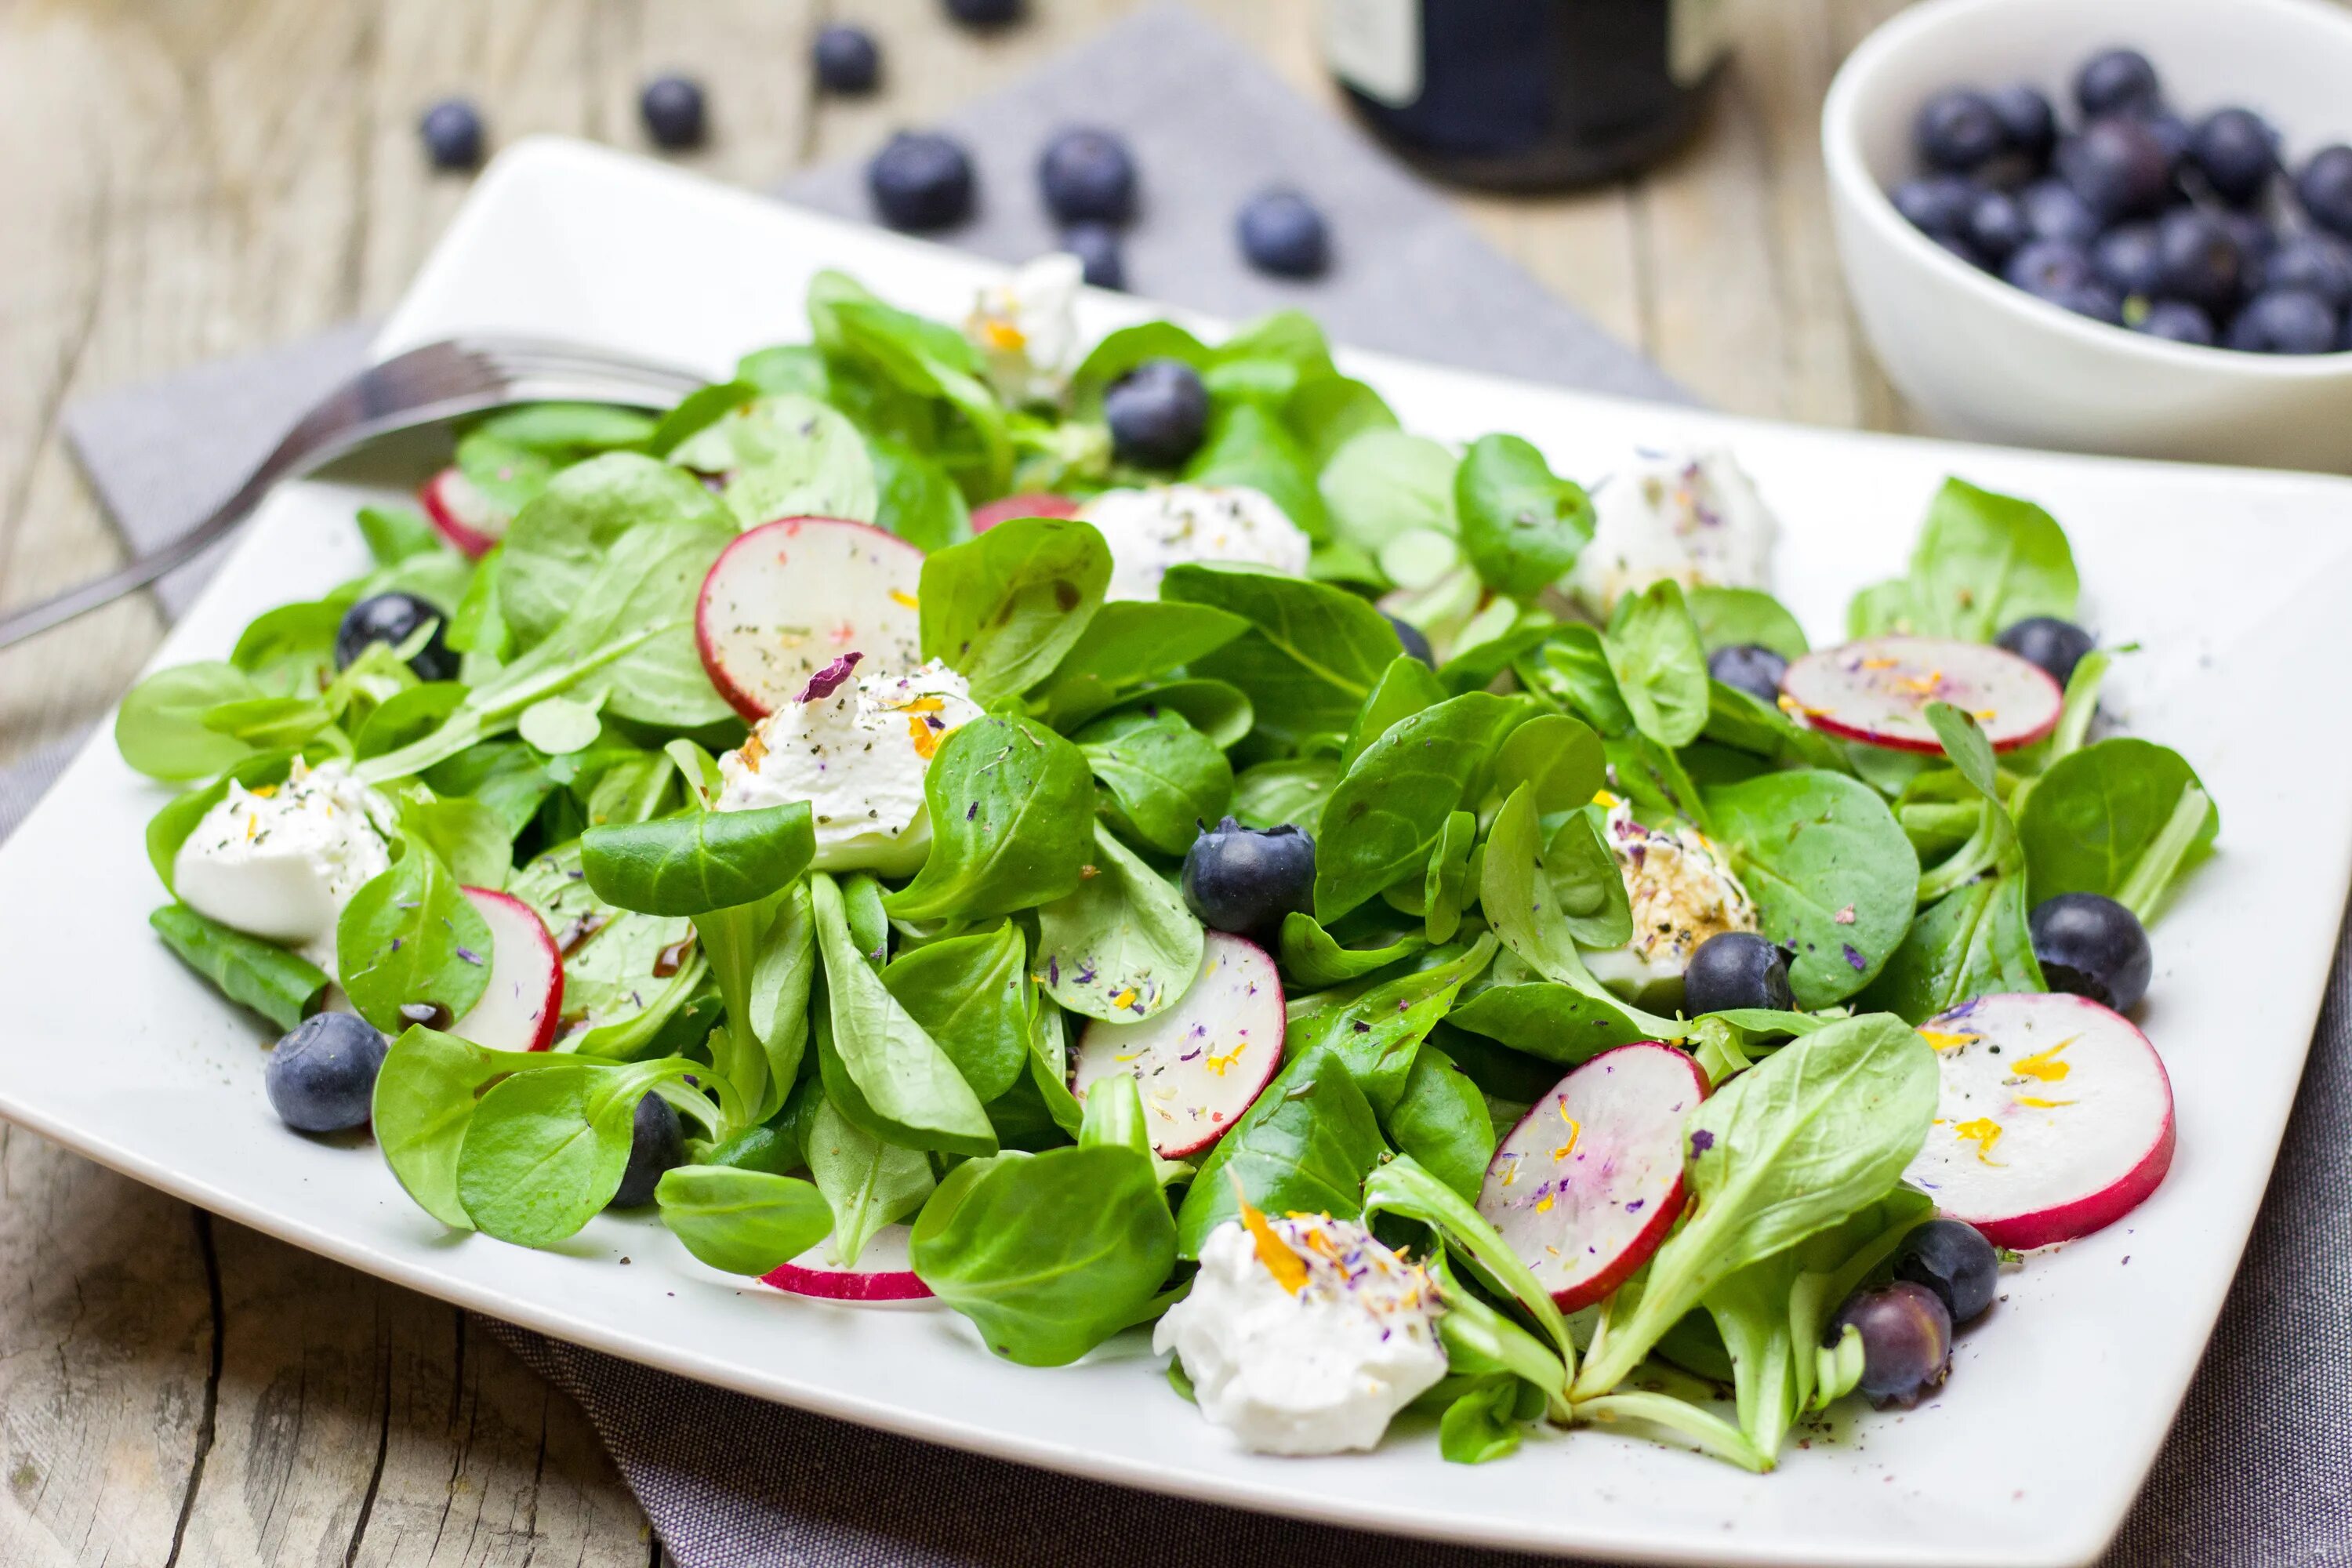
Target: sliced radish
789 597
521 1005
1201 1062
466 518
2055 1119
1588 1183
882 1276
1877 691
1036 503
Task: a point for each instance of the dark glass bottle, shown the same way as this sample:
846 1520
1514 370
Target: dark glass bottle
1527 94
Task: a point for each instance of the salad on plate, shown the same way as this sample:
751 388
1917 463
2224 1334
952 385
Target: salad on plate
1137 840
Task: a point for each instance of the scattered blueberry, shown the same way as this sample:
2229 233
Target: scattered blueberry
2050 269
921 180
2117 81
1959 129
673 109
1416 640
2053 211
452 130
2177 321
321 1077
2027 120
2325 186
847 59
1244 880
1750 667
2237 153
984 13
1157 412
2125 256
2320 263
1997 226
2198 261
1936 203
1907 1341
1283 233
1088 174
2053 645
2284 321
391 619
1096 245
2118 167
1951 1257
1737 969
656 1147
2090 945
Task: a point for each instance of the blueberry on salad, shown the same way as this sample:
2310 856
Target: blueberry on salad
1414 640
1285 234
1750 667
452 133
656 1147
921 180
847 59
1097 247
673 109
2090 945
1245 880
1907 1341
2056 646
1158 413
1087 175
1737 969
1952 1258
321 1076
392 619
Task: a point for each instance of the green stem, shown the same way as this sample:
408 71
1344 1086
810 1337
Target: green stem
2143 890
1714 1435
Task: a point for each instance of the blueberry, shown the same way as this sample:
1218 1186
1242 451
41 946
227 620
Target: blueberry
1997 226
321 1077
2257 242
1737 969
2096 300
2284 321
2237 153
2050 269
2318 262
2177 321
1416 640
2198 261
2343 339
391 619
2125 256
1957 129
2056 647
1088 174
1096 245
1907 1341
2325 187
452 130
984 13
1936 204
1952 1258
847 59
1281 232
1243 880
920 180
1750 667
2090 945
2118 167
674 112
2117 81
2172 133
2053 211
656 1147
1157 412
2027 120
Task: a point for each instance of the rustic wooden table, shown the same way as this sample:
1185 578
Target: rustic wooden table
188 178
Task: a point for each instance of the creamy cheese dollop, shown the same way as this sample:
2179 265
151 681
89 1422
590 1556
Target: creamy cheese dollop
856 752
1148 530
280 861
1682 890
1026 328
1692 516
1304 1334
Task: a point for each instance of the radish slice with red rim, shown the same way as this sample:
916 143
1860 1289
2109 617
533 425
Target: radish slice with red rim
466 518
789 597
1877 691
2054 1118
883 1275
1037 504
1591 1181
522 1003
1201 1062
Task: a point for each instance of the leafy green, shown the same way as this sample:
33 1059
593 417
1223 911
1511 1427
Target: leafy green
1304 1144
1290 791
1248 445
1311 656
410 936
1970 941
2089 820
1163 777
1522 526
1389 810
866 1183
1442 1122
1833 875
546 1148
786 455
1542 899
1124 643
971 994
283 987
1653 650
1736 618
1375 1028
1012 812
1383 483
741 1222
762 957
1312 956
1984 561
699 861
558 544
423 1101
159 729
1003 608
1560 756
1405 688
1122 946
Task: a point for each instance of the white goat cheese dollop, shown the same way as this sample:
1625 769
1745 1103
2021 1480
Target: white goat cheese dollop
1148 530
280 861
1026 328
1694 517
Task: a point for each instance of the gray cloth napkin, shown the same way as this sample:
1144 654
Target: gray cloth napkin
2260 1467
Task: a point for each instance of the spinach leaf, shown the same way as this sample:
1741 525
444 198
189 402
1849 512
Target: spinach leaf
410 936
1390 808
1384 483
741 1222
1736 618
1311 656
1127 642
1004 607
922 357
1122 946
1739 719
394 533
1445 886
1291 791
866 1183
700 409
1653 650
1481 1423
1375 1028
700 860
1215 708
1011 808
1571 665
1327 412
971 994
506 776
1304 1144
1653 777
545 1148
786 455
558 544
290 650
407 716
159 729
1402 1186
619 966
1163 777
1834 877
424 1096
1442 1122
1406 687
1970 941
1522 526
1248 445
917 501
1313 957
1558 756
1985 562
283 987
1543 898
762 956
469 837
1560 1022
2088 821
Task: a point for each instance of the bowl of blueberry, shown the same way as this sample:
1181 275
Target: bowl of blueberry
2107 225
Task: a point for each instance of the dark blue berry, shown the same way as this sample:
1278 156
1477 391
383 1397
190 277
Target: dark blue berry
2027 120
2284 321
2050 269
2090 945
1416 640
2237 152
1957 129
1281 232
452 130
1157 412
2125 256
2117 81
2320 263
2257 242
1749 668
391 619
321 1077
1997 226
1952 1258
673 109
2118 167
656 1147
2096 300
2325 187
1737 969
984 13
1936 204
1244 880
2198 261
847 59
2172 133
1096 245
2177 321
920 180
2051 644
2053 211
1907 1341
1087 174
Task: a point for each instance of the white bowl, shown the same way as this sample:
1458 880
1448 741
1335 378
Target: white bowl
1983 359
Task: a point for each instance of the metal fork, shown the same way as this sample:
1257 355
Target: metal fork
423 386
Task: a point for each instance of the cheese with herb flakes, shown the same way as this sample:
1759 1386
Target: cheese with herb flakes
1692 517
1148 530
280 861
1681 891
1026 328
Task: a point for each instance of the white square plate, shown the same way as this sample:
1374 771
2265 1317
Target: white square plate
2235 584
